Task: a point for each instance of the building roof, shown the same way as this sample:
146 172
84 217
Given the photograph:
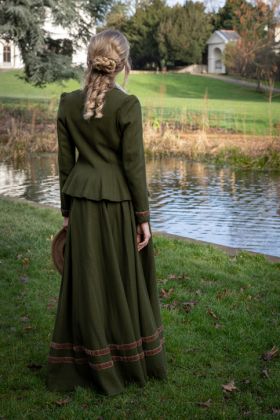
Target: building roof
229 34
225 35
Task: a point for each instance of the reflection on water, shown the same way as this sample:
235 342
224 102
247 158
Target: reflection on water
238 208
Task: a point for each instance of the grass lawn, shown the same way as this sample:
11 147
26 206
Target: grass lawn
230 320
263 82
174 96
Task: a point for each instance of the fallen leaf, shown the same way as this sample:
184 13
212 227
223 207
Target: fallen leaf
247 413
166 293
188 306
276 411
222 293
171 305
192 349
24 318
205 404
34 366
62 402
52 302
265 373
172 276
211 313
270 354
25 261
28 327
23 279
230 387
183 276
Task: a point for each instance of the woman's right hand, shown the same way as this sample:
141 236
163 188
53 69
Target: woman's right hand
65 222
143 235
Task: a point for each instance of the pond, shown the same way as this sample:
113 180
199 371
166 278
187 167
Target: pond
237 208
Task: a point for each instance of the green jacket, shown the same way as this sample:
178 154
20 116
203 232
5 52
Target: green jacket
111 162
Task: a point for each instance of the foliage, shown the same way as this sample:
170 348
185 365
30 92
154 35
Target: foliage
227 16
141 30
256 53
117 15
183 32
47 60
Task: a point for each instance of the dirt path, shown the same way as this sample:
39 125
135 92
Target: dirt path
244 83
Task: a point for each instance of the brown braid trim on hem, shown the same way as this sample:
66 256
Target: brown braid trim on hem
107 350
109 363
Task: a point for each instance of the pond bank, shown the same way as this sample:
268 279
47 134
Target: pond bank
231 251
25 131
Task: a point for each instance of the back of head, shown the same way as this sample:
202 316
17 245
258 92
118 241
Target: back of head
108 54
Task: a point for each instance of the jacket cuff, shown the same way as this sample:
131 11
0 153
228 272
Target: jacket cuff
65 212
142 216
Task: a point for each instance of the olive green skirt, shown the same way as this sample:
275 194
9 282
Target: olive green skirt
108 330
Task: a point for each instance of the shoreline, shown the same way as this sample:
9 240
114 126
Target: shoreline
27 130
231 251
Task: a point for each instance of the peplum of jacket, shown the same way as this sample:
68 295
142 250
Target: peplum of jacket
111 161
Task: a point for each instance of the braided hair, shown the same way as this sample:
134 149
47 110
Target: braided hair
108 54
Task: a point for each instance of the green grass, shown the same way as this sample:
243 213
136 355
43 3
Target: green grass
203 353
252 80
268 161
172 96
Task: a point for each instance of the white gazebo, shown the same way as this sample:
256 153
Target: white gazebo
216 45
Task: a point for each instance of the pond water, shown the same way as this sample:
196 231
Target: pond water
238 208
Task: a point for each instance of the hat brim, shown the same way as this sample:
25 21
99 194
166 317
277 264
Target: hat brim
57 248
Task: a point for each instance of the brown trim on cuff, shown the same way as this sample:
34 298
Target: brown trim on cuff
142 213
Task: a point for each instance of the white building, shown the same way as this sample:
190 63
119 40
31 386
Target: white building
10 57
216 45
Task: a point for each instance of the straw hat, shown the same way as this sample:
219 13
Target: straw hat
58 245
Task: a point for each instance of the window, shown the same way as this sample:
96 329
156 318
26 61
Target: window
7 54
218 65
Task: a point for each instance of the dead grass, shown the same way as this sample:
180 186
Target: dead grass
167 140
23 134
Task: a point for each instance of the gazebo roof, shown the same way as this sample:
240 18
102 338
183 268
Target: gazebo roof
226 35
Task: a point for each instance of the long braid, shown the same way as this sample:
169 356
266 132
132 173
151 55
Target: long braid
108 54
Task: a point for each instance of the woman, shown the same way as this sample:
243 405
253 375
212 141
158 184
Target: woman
108 330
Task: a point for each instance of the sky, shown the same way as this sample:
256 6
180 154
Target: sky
211 4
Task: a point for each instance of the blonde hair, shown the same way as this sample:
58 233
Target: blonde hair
108 54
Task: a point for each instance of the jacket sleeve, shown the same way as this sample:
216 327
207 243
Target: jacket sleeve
66 155
133 157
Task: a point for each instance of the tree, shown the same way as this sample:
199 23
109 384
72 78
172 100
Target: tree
183 32
117 15
141 30
46 60
255 53
227 16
